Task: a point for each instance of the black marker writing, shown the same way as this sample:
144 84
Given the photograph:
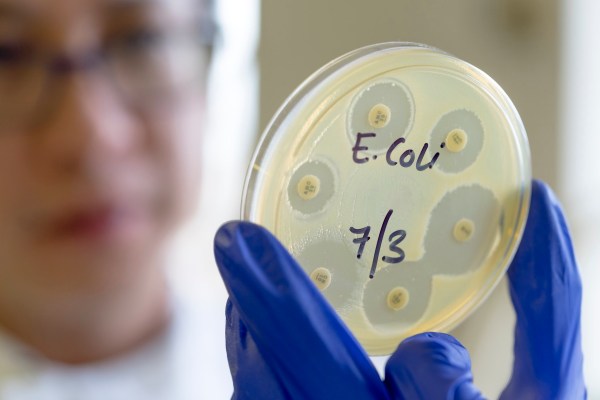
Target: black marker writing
357 147
394 239
361 241
406 159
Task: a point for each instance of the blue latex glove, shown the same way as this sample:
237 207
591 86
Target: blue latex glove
545 289
285 342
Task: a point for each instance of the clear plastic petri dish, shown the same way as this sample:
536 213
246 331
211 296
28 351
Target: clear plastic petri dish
399 178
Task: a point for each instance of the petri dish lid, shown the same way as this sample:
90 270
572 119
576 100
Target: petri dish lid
399 177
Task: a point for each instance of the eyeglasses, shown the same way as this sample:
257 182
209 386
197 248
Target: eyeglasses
145 67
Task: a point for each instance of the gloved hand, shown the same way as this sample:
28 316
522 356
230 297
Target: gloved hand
285 342
545 289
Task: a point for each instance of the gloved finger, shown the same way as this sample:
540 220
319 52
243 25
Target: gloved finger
252 377
430 366
545 289
308 348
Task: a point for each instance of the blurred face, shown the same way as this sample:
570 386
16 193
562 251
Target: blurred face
101 113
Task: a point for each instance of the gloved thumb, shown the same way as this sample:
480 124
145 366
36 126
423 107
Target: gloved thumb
280 325
430 366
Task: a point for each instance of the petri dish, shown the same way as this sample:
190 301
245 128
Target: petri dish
399 178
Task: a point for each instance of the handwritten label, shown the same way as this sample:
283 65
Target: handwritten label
394 240
394 156
406 158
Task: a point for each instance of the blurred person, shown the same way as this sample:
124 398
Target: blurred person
102 107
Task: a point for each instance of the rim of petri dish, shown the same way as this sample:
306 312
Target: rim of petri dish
318 81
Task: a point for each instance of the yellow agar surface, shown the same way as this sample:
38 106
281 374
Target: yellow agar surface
317 129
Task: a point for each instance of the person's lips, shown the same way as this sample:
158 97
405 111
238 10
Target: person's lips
100 222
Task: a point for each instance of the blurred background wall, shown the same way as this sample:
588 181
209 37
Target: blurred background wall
545 54
229 137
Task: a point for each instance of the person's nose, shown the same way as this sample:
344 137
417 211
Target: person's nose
89 128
